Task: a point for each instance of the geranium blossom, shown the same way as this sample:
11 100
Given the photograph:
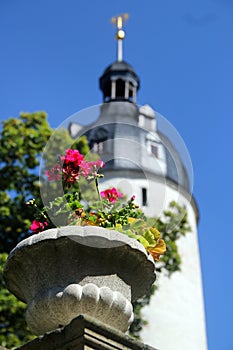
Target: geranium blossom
74 157
111 194
70 174
90 169
73 165
38 226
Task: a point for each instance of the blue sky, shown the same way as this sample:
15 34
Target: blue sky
53 52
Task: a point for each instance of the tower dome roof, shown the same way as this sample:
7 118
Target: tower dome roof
119 66
127 139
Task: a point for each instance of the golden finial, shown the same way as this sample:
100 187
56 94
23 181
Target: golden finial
118 21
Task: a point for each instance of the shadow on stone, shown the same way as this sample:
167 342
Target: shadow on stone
85 332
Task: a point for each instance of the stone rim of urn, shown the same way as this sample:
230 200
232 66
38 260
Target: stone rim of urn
64 272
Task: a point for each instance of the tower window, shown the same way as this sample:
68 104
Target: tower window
154 150
144 197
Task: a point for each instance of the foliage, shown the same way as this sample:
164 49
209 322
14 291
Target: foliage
172 226
13 328
22 141
139 322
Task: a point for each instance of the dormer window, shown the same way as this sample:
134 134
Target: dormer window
154 150
153 145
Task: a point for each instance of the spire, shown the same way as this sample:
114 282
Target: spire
120 35
119 82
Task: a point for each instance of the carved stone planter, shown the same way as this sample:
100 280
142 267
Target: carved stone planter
63 272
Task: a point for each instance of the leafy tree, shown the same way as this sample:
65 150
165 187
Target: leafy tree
13 327
22 141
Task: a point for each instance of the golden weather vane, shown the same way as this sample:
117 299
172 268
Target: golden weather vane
118 21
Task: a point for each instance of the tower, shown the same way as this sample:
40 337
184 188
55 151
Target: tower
142 161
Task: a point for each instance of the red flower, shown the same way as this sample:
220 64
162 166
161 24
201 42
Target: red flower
72 166
37 226
111 194
74 157
70 174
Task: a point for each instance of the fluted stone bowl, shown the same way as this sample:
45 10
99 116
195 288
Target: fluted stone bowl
63 272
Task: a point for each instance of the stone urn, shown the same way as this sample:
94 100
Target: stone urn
64 272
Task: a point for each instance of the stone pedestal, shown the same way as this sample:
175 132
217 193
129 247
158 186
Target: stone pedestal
64 272
85 332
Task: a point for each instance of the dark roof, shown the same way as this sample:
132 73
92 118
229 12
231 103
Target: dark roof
119 66
128 141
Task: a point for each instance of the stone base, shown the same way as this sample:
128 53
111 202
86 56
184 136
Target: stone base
56 308
85 332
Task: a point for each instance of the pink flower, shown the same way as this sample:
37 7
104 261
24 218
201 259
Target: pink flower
99 164
86 168
73 156
54 173
91 168
37 226
111 194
